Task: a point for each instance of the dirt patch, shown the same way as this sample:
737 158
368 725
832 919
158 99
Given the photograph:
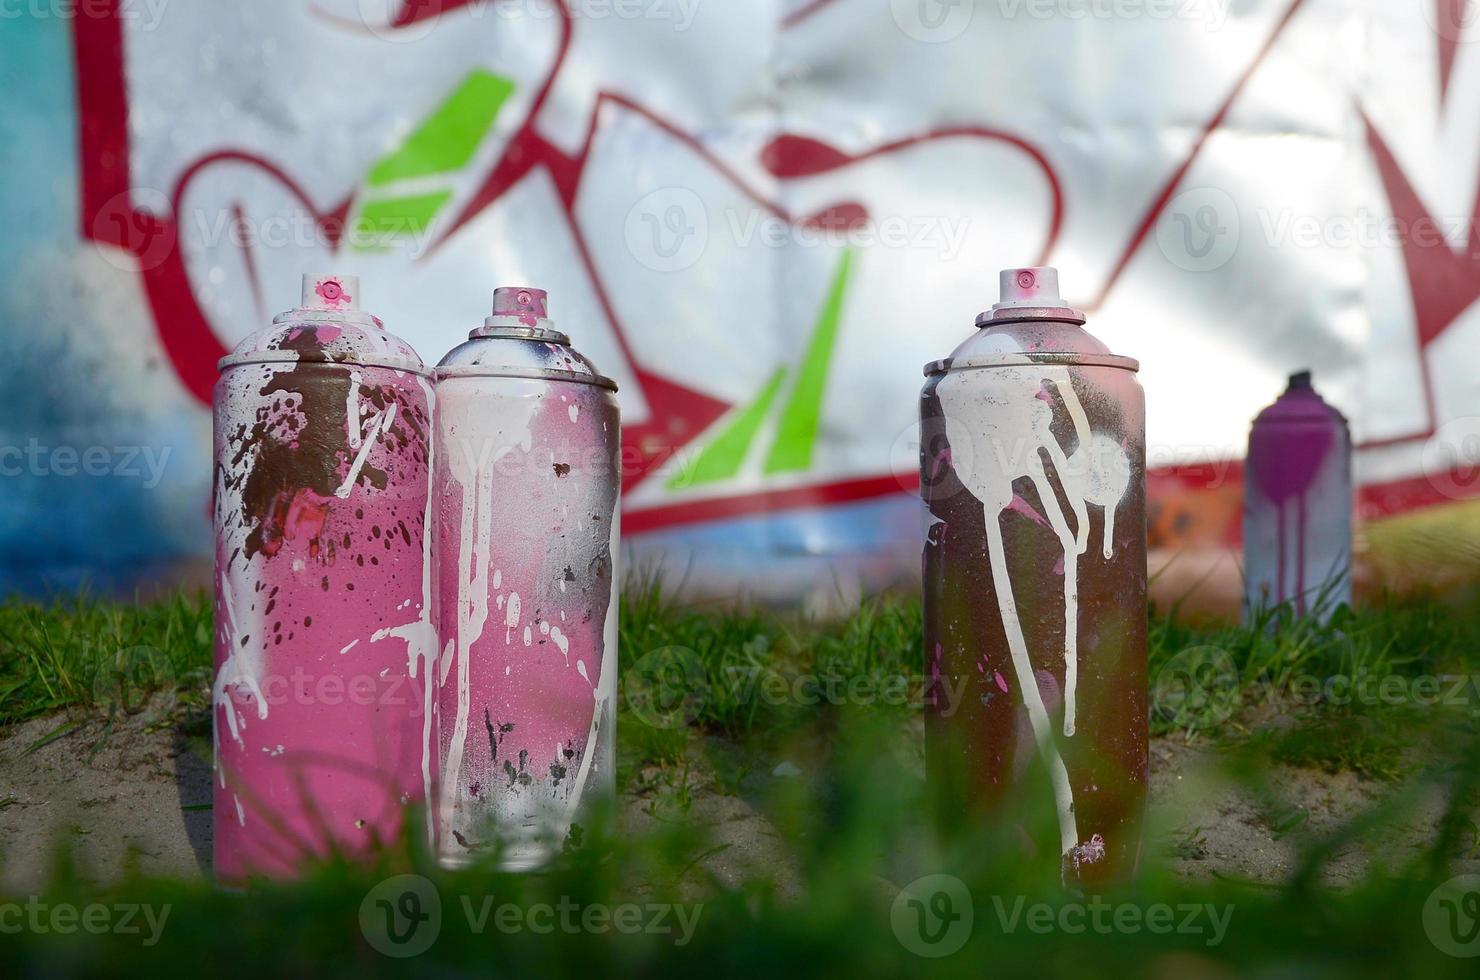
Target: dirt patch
135 798
1207 823
122 798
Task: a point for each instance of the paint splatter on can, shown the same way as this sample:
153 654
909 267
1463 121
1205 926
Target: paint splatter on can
526 489
1298 505
1033 475
322 725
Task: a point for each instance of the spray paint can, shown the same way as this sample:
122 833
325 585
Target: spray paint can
1298 505
323 636
526 489
1033 475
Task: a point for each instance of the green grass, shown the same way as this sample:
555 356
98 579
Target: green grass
89 653
724 696
756 675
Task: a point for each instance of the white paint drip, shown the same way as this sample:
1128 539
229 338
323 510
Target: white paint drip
241 667
352 411
349 646
475 476
420 635
606 685
575 411
561 642
380 426
445 662
997 430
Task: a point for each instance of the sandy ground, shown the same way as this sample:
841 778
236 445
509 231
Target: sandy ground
139 801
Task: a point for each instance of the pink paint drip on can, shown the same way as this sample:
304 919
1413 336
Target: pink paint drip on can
324 637
1298 505
528 436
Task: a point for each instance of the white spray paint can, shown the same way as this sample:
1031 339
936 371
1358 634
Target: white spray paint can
526 488
1033 471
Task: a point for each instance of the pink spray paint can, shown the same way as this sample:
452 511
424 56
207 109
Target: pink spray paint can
1298 505
322 713
1033 472
528 437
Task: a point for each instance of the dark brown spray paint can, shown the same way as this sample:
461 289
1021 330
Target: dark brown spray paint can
1033 473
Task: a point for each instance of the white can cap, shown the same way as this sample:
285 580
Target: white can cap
1033 286
330 292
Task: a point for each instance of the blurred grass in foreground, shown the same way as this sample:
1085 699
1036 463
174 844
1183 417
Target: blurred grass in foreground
863 826
852 838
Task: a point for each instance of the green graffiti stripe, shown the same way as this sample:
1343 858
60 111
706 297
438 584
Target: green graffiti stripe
723 457
383 222
796 435
448 140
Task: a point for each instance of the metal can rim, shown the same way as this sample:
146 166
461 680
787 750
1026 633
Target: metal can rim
540 334
1024 314
532 374
1066 358
276 357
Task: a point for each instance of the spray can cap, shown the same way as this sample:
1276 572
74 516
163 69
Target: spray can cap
330 292
1300 402
1029 293
327 326
521 311
525 302
519 340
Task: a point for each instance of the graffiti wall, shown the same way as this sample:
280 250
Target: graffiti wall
760 218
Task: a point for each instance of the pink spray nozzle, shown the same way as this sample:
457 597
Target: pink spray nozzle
323 292
525 302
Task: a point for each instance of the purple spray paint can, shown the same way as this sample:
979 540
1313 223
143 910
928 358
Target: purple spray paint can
526 490
323 434
1033 473
1298 505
